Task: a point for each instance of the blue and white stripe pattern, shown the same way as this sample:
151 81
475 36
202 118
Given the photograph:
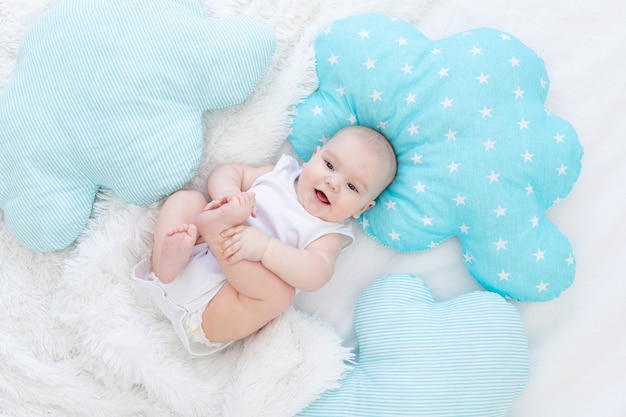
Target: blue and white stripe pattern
110 93
466 357
479 156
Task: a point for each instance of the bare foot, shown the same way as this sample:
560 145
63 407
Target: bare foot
233 213
175 252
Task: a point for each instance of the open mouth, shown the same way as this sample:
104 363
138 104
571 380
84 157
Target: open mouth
321 197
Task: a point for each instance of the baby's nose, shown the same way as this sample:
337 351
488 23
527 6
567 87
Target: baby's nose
332 182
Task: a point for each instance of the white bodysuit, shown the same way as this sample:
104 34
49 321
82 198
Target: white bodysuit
279 215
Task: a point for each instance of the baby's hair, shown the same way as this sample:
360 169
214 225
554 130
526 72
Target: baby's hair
381 144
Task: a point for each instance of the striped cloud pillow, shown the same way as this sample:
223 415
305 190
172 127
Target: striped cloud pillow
467 356
111 94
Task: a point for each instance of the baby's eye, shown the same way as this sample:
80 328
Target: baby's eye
329 165
353 187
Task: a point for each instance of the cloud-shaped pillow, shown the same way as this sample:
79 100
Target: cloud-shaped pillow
111 94
467 356
479 156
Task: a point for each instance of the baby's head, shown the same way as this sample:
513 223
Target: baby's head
344 177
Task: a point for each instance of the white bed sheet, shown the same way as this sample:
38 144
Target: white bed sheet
578 341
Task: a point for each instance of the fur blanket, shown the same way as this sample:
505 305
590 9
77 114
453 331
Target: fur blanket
78 337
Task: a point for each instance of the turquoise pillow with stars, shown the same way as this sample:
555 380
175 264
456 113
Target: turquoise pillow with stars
111 94
479 156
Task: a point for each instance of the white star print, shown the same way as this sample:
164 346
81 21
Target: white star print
570 260
352 119
493 177
504 276
464 228
414 129
317 111
505 37
428 221
562 169
556 201
419 188
391 205
459 199
365 223
447 102
402 41
489 144
376 96
328 31
436 51
364 34
523 124
410 99
543 83
468 258
528 157
443 72
518 93
334 59
476 51
453 167
482 79
501 244
530 189
432 244
370 63
407 69
559 138
543 286
341 90
323 139
417 159
451 135
485 112
500 211
382 125
394 235
514 62
539 255
535 221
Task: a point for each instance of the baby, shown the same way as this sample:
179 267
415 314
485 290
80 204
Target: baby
222 270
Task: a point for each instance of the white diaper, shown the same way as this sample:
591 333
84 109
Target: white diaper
184 300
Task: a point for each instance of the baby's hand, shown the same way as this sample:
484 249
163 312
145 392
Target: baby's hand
244 198
216 203
243 243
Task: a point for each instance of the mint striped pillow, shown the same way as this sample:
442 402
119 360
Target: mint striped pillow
467 356
111 94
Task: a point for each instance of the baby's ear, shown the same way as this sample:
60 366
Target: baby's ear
364 209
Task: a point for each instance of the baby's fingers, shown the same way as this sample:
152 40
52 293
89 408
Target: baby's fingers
232 231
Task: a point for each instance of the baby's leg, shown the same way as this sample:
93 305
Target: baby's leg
252 295
180 209
176 249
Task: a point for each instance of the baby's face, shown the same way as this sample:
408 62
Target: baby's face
342 178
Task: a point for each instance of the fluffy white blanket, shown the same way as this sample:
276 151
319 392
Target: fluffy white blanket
78 337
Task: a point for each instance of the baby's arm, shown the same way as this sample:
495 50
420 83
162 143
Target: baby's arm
231 179
308 269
